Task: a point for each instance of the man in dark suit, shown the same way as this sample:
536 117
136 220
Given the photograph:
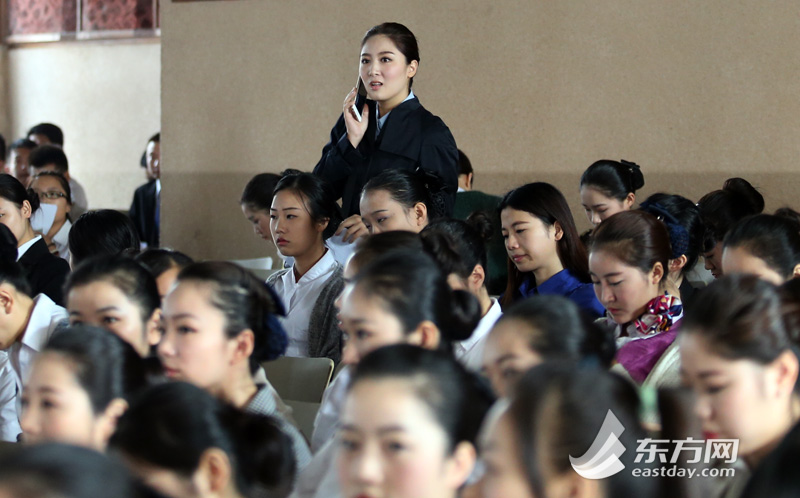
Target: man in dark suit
146 205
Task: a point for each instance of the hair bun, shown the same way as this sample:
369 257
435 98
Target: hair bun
465 315
481 222
746 193
635 176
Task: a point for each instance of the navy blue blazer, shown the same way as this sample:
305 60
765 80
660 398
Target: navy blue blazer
411 137
143 213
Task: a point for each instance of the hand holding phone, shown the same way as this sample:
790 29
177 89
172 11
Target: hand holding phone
361 98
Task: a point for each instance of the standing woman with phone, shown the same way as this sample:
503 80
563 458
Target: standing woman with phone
394 130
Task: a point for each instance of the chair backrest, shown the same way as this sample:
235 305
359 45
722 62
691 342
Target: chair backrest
299 379
255 263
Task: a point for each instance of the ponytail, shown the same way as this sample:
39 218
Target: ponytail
615 179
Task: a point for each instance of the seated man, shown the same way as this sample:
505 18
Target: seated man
146 200
52 158
18 162
46 133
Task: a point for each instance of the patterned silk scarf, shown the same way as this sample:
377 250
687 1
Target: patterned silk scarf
659 315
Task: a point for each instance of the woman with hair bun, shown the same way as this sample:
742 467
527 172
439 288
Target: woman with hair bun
764 245
303 215
546 255
394 131
629 263
609 187
220 324
46 272
401 200
721 210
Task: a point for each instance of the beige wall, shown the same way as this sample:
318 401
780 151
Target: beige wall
532 90
106 98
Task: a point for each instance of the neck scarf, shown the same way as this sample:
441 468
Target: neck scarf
659 315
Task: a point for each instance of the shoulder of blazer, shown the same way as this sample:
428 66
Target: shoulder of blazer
410 126
34 253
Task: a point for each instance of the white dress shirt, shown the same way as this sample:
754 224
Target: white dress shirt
79 202
15 362
470 352
61 240
327 420
299 298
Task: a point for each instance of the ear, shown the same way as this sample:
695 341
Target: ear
107 421
677 264
322 225
559 231
411 70
657 273
469 180
477 278
796 272
66 175
26 209
629 201
785 369
420 214
7 300
214 473
244 343
153 328
460 464
426 335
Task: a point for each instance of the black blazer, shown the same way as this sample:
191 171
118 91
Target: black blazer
143 213
411 137
46 272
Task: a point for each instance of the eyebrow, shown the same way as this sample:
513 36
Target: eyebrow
504 358
379 53
612 274
379 211
181 315
518 223
381 431
108 308
285 209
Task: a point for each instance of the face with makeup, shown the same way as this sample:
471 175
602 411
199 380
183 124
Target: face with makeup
623 290
598 206
740 260
367 325
381 213
507 355
385 71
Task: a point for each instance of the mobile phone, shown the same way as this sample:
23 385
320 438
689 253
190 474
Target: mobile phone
361 98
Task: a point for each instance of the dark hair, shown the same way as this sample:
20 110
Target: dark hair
742 317
258 192
684 225
51 131
456 397
557 411
401 36
318 196
130 277
106 367
457 246
246 302
155 138
408 188
12 190
103 232
413 288
636 238
369 248
10 271
157 261
547 203
559 330
45 155
773 239
614 179
23 143
61 181
464 164
721 209
55 470
172 424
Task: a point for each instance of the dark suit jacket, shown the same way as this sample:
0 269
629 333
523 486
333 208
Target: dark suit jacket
143 213
411 137
46 272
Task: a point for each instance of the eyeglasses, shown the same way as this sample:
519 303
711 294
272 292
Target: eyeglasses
51 195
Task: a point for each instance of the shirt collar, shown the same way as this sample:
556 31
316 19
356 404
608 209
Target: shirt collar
62 235
37 333
382 120
484 326
322 267
21 250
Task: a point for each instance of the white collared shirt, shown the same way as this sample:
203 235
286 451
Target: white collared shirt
61 240
380 121
21 250
470 352
15 362
299 298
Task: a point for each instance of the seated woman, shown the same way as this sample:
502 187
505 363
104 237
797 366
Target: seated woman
764 245
738 356
103 232
402 200
44 271
164 265
409 425
540 329
720 210
533 448
220 324
609 187
53 188
118 294
459 248
546 255
29 322
629 263
686 231
303 215
184 443
79 386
